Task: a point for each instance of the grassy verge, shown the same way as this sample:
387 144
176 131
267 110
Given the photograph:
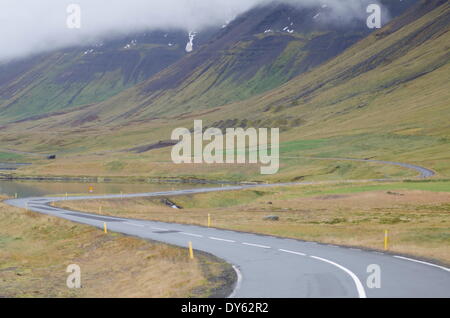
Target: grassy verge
9 156
296 160
35 251
416 214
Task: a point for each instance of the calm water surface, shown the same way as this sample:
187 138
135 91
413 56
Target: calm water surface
42 188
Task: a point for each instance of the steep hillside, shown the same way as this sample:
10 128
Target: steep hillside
85 75
258 51
386 97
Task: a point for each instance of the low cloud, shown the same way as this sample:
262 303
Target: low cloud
35 26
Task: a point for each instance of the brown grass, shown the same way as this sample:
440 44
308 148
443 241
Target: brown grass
418 221
36 249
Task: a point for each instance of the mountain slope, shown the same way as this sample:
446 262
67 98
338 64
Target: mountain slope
79 76
256 52
385 98
260 50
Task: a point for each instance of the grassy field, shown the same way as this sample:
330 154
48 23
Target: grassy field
384 98
416 214
297 162
36 249
10 157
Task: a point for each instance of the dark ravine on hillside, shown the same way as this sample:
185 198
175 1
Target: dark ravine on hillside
260 50
389 54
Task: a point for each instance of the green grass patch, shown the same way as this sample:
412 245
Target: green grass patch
9 156
429 235
441 186
6 239
220 200
300 145
115 166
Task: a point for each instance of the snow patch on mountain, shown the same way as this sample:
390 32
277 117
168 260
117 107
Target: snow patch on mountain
286 29
129 45
88 52
190 44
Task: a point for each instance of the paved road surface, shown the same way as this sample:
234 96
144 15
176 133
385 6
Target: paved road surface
275 267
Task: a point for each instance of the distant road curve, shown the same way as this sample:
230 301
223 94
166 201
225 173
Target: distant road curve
423 172
269 266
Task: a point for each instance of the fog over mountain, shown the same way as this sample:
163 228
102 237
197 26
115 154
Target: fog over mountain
30 26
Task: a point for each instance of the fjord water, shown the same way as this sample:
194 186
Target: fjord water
41 188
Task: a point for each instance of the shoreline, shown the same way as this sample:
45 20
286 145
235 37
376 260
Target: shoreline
140 180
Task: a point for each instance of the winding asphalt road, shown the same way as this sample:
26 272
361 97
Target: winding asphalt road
276 267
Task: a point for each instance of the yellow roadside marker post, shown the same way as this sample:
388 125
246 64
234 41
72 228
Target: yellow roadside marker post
209 220
105 228
386 240
191 251
66 195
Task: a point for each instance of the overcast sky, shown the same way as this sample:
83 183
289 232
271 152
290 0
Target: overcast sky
34 26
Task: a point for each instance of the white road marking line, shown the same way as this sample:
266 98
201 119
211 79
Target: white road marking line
421 262
159 229
238 282
256 245
220 239
359 285
191 234
292 252
133 224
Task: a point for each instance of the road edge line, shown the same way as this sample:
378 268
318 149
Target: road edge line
238 282
422 262
359 285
